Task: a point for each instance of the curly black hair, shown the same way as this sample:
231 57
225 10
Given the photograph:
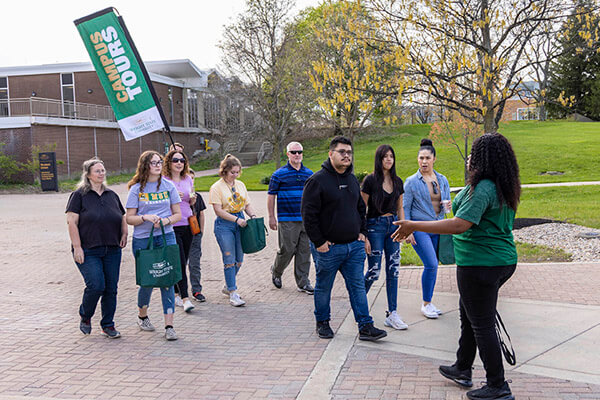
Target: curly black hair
492 157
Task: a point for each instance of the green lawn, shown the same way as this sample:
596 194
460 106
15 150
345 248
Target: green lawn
575 204
569 147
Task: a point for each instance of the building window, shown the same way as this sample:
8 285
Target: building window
192 107
212 111
528 113
68 94
4 106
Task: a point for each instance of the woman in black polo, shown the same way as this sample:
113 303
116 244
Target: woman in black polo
98 232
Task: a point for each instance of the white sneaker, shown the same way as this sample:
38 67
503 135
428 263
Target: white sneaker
429 311
170 334
393 320
178 301
437 310
235 300
188 306
145 324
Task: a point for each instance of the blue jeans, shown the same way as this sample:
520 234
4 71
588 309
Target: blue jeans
349 259
426 249
230 242
380 231
144 293
100 271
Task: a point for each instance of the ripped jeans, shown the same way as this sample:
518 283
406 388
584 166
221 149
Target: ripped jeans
380 230
230 242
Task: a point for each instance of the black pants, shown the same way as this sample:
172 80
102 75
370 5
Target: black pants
478 288
184 237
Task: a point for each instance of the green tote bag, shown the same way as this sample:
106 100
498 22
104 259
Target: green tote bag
445 250
253 235
157 267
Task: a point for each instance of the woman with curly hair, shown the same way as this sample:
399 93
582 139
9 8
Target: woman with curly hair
177 171
152 200
425 193
486 258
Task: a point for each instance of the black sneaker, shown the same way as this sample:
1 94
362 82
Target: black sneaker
491 393
276 281
369 332
85 325
462 377
111 332
199 297
324 330
308 289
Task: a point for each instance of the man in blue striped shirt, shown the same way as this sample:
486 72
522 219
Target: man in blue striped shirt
286 185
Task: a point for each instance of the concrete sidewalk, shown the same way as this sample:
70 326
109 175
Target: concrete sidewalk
269 349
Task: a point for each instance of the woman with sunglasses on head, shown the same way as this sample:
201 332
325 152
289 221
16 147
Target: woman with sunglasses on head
486 257
176 170
382 192
229 199
426 198
152 200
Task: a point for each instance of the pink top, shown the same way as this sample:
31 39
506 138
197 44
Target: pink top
184 186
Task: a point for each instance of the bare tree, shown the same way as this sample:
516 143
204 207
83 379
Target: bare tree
256 48
468 56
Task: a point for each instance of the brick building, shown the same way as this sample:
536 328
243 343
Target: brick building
63 106
522 106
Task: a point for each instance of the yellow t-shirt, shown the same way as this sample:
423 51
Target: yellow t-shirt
232 200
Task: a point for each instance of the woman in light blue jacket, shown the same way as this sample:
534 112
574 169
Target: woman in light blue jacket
427 198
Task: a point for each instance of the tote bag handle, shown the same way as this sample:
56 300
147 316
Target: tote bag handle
150 244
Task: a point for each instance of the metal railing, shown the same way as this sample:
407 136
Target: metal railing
37 106
266 149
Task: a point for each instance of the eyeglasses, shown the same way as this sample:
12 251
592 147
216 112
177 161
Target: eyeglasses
434 186
344 152
178 160
295 151
156 163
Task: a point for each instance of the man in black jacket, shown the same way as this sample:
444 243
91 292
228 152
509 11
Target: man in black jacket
333 214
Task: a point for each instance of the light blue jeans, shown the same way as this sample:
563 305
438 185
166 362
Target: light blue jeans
380 231
230 242
426 250
144 293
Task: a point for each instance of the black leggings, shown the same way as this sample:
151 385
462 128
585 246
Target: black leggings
184 240
478 288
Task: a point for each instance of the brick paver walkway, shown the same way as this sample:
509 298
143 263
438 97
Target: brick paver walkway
264 350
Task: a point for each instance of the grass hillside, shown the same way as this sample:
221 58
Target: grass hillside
568 147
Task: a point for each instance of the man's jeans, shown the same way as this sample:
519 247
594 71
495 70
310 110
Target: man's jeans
380 231
195 271
349 259
100 271
144 293
293 241
478 288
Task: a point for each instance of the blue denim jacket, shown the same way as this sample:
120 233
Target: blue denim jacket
417 201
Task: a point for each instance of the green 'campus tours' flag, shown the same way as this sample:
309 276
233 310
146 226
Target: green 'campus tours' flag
122 73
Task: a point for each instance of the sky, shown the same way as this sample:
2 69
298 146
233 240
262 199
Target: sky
42 31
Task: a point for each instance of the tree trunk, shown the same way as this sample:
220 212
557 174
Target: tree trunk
466 153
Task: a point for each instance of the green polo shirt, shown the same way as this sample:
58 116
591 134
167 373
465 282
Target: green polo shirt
489 241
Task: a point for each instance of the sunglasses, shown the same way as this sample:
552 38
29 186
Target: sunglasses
344 152
434 186
295 151
178 160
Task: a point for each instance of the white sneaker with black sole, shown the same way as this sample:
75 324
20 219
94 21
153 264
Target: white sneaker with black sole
188 306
